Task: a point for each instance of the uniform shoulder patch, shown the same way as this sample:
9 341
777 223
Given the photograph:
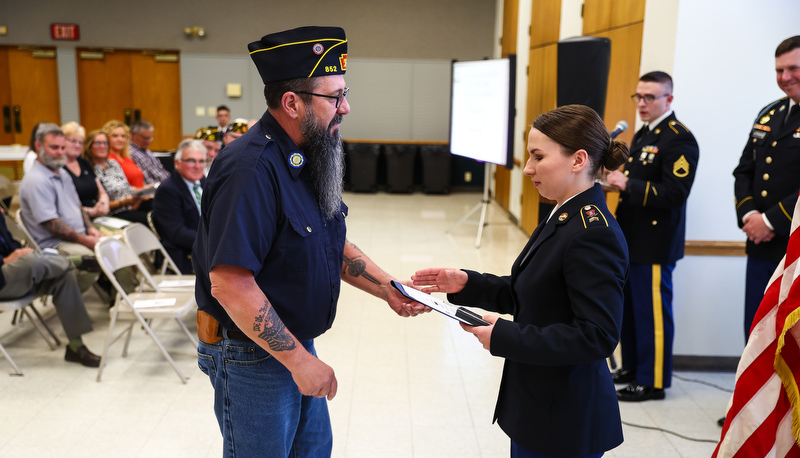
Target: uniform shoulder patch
677 127
591 215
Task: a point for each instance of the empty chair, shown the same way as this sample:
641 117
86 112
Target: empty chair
21 305
144 242
140 307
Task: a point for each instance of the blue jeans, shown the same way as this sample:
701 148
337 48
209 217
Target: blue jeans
259 408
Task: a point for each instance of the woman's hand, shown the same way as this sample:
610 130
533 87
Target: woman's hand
134 202
483 333
440 280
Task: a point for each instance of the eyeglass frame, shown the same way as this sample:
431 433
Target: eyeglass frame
339 98
648 98
194 161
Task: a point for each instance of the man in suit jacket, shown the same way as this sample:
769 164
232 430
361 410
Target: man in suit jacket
652 215
768 179
176 206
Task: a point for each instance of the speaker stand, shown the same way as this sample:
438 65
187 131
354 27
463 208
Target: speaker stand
483 206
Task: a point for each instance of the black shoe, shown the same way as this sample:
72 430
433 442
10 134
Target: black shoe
637 393
721 422
623 376
82 355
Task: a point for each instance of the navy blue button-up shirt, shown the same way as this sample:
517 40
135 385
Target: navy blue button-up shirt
260 212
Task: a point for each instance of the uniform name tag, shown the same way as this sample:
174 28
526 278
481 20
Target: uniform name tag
759 134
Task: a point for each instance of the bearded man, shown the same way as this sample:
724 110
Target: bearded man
271 253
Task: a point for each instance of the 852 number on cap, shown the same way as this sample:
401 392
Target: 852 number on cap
331 68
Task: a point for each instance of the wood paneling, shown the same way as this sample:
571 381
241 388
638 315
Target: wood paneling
624 12
596 16
626 50
508 42
545 22
29 82
125 82
714 248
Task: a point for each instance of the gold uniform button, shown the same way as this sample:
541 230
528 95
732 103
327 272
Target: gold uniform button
620 200
766 176
755 140
308 228
630 159
769 159
764 193
627 172
774 143
654 223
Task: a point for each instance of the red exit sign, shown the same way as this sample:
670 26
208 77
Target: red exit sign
69 32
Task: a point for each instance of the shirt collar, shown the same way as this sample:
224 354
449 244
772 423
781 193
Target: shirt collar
658 120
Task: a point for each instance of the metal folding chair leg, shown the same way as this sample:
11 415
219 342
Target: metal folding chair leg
10 361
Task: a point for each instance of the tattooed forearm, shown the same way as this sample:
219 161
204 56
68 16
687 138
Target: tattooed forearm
272 329
61 230
86 220
357 268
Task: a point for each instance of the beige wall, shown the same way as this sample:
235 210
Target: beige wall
415 29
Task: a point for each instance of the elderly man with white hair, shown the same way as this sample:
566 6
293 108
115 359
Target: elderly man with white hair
176 207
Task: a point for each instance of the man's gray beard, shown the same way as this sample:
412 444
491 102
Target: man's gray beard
51 163
324 153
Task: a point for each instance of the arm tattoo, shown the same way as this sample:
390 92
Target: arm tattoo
61 230
357 268
86 220
273 331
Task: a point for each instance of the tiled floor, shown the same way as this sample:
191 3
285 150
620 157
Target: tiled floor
416 387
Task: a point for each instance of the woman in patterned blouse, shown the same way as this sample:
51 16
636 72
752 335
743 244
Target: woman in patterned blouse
123 203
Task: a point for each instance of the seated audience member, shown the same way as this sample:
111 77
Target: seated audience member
148 163
212 140
123 203
94 198
51 210
119 138
223 118
24 271
31 155
235 130
176 207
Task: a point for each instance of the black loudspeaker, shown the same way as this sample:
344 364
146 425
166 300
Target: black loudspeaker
583 64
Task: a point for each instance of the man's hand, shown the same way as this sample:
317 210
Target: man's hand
756 229
402 305
16 254
313 377
618 179
483 333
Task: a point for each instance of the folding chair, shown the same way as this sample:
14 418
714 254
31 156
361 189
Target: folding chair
143 242
28 240
113 255
21 305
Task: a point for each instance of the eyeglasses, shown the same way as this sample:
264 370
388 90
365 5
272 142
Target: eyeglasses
194 161
100 143
150 138
75 141
338 98
648 98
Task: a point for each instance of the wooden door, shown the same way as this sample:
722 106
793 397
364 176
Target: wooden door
28 91
156 83
508 45
127 85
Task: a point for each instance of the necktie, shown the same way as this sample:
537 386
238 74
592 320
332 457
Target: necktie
793 112
197 194
639 134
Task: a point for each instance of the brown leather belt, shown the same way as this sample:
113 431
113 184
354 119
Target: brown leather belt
210 331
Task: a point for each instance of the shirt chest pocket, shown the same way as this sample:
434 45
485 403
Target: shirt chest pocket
302 243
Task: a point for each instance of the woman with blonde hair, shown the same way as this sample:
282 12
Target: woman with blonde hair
94 198
119 140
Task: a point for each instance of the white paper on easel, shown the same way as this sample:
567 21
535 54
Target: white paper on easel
155 303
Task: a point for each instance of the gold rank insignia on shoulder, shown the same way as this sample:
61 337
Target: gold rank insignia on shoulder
591 214
681 167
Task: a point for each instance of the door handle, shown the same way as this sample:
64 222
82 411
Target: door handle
137 115
127 115
7 119
17 119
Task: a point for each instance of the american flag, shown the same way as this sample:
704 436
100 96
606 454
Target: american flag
763 417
